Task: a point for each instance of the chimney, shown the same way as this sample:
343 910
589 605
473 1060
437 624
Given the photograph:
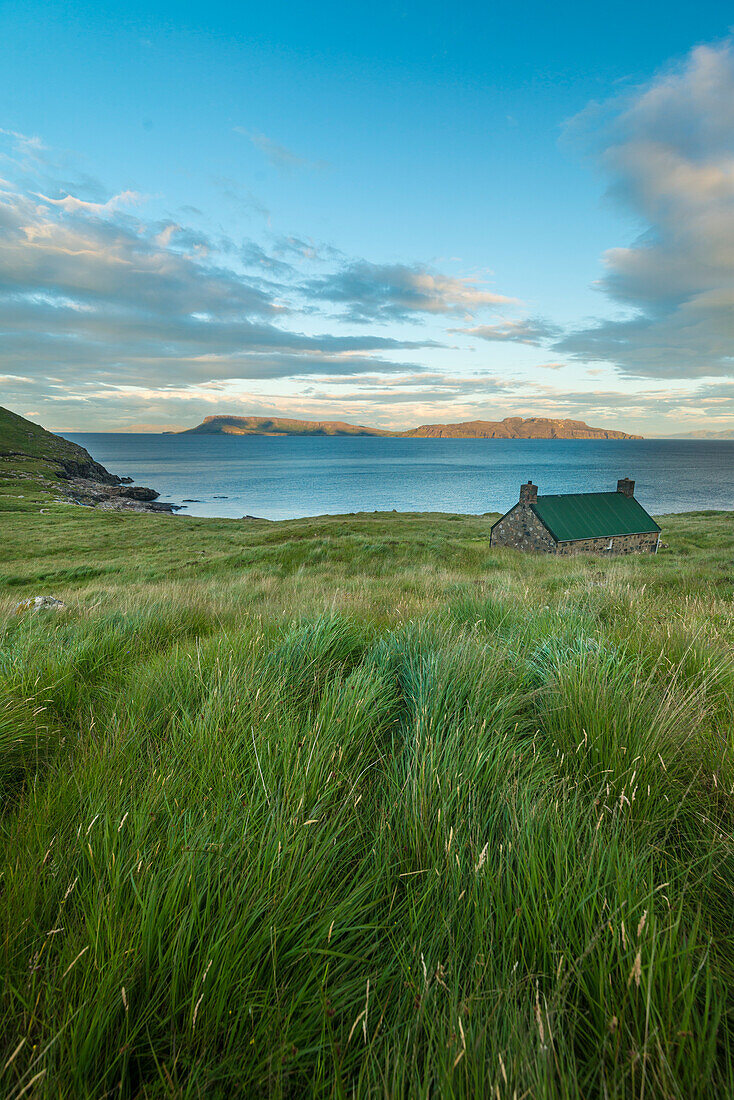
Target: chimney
528 493
626 487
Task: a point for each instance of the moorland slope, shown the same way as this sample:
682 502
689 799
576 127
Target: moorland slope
356 806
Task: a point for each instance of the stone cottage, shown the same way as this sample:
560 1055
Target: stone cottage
578 523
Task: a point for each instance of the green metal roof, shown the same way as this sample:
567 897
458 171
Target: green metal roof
592 516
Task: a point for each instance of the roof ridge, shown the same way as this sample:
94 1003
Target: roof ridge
595 493
573 516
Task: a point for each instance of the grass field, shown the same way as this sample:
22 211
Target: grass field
356 807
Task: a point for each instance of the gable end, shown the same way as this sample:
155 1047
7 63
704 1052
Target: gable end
522 529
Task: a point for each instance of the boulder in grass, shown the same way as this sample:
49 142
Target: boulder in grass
39 603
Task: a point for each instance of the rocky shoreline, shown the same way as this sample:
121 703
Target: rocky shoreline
121 496
66 471
111 495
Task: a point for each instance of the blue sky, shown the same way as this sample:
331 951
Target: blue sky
387 214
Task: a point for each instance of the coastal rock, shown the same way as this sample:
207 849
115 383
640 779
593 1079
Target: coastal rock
39 603
117 498
139 492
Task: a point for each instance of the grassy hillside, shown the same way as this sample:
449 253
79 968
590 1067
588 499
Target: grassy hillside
355 806
35 465
22 438
19 436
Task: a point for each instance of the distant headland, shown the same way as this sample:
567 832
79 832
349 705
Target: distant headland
512 427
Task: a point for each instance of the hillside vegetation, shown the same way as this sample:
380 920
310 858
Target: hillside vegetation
50 454
355 806
40 468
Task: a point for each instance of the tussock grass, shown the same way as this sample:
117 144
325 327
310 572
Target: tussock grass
368 826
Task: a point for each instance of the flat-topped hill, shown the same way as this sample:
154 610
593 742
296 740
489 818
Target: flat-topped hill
512 427
277 425
515 427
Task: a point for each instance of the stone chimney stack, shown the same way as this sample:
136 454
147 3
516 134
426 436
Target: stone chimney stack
625 486
528 493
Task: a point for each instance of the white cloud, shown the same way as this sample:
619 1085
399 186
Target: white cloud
668 151
24 144
379 292
91 295
72 205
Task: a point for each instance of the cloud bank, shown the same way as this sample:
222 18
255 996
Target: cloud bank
668 152
105 311
89 293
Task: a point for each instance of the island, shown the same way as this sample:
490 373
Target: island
512 427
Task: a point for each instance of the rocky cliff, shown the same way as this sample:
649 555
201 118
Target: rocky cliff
515 427
30 454
19 436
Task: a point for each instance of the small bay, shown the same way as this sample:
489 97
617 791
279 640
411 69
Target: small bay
285 477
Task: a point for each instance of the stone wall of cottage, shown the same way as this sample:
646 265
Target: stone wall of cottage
621 544
521 529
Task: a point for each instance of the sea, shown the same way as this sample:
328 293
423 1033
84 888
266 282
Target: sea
285 477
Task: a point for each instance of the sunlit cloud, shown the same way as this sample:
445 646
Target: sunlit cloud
532 331
70 204
379 292
86 292
667 150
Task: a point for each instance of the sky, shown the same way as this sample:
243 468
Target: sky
391 214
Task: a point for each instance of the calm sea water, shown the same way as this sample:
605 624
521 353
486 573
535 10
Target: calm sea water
279 478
